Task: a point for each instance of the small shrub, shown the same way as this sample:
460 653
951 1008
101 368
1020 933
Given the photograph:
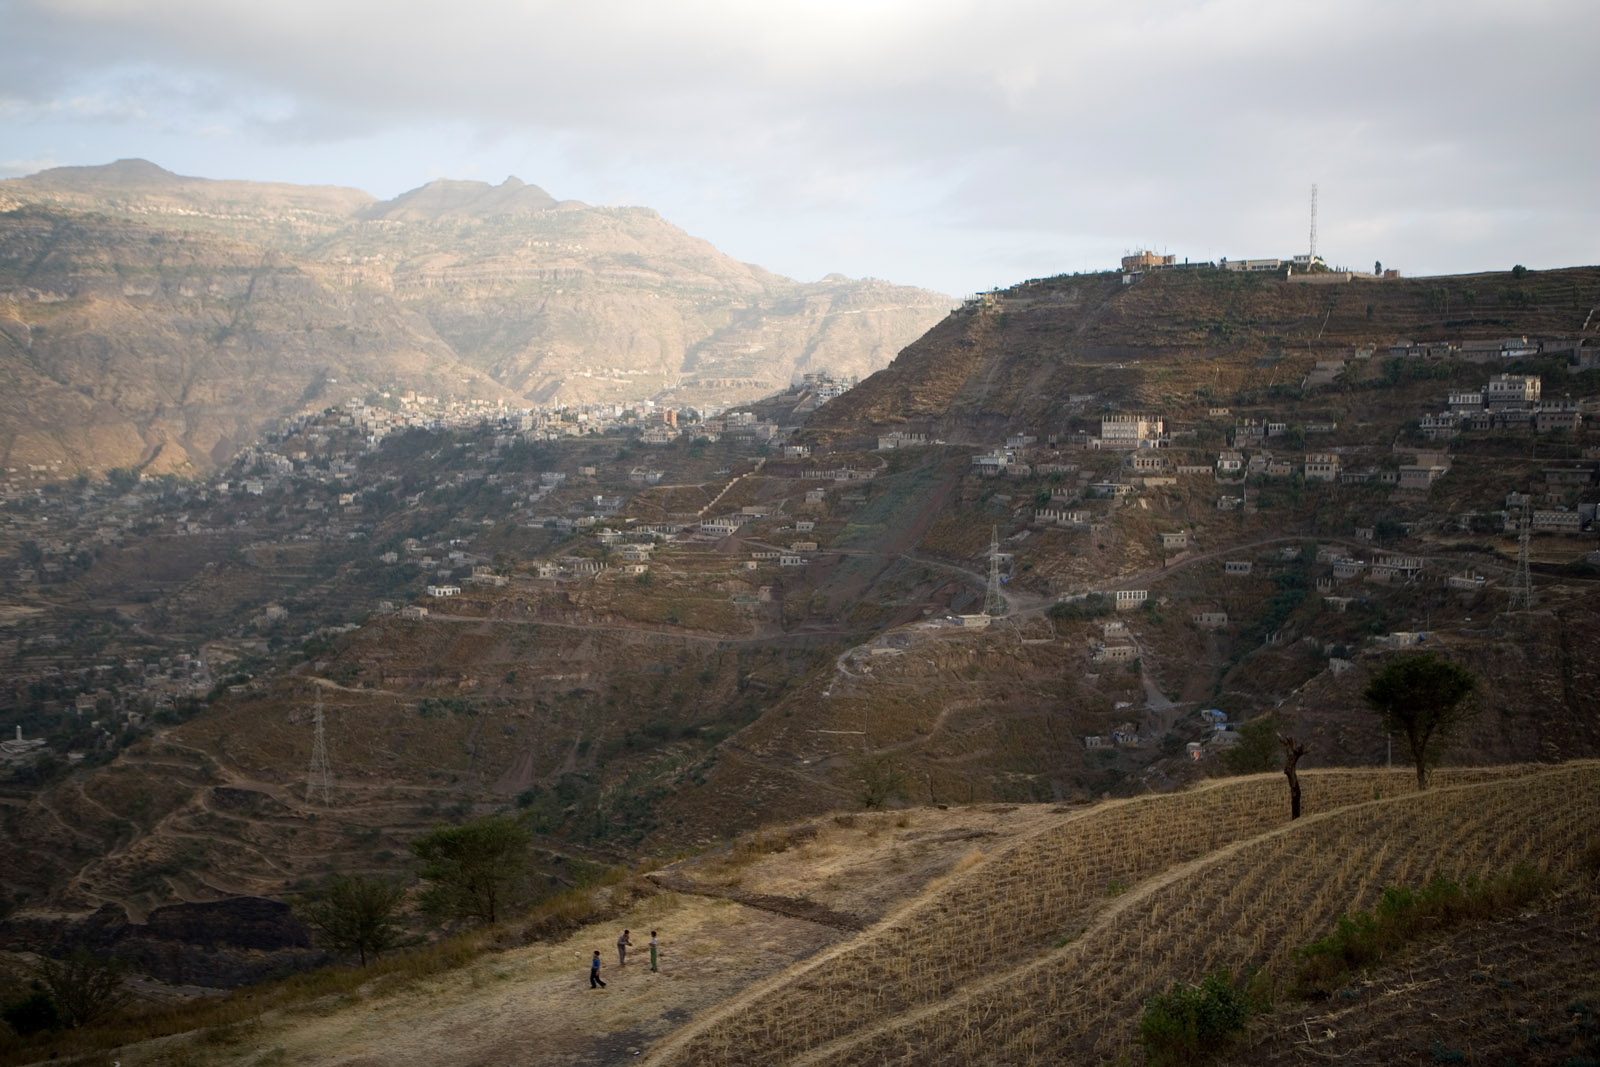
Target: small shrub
1193 1024
879 779
1367 938
1090 607
32 1013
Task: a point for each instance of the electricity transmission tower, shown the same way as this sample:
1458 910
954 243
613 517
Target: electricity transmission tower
994 603
320 778
1521 598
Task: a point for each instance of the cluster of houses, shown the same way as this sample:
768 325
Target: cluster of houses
1496 350
1138 434
1149 463
1557 516
1578 353
109 697
1507 402
1329 467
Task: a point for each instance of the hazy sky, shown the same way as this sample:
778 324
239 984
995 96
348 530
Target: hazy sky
956 145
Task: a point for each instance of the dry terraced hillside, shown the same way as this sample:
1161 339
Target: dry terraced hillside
1034 357
1045 953
1008 935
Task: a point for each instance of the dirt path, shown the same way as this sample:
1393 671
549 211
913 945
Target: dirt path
809 910
532 1005
762 462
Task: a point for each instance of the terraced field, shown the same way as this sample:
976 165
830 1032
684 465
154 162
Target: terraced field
1044 952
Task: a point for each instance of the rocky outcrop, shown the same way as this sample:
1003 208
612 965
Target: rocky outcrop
219 944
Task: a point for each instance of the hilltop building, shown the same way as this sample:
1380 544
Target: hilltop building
1252 265
1145 261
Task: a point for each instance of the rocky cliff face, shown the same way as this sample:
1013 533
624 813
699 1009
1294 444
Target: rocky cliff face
156 320
121 345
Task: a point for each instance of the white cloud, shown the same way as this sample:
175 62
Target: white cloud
1193 121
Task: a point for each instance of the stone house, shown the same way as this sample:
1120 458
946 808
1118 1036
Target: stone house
1322 467
1128 599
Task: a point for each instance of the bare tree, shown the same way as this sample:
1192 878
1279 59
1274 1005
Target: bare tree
358 915
1292 751
85 987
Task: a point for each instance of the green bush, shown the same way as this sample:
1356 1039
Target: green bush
1193 1024
1090 607
1365 939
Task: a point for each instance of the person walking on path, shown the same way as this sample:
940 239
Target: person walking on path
652 950
622 949
594 972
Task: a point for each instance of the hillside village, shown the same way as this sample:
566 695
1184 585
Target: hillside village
320 479
307 483
954 537
645 629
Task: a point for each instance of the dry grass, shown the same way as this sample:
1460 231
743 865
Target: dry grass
1247 906
217 1021
1007 916
220 1021
528 1004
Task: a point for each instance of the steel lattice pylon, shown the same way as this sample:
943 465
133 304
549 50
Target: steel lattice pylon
1522 586
320 778
994 603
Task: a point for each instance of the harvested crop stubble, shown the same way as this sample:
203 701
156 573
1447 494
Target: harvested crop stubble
1249 905
1012 909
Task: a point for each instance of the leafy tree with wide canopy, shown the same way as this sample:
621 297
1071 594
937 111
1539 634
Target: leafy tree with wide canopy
474 868
1423 698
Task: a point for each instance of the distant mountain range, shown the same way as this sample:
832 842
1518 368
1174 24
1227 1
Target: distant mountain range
159 321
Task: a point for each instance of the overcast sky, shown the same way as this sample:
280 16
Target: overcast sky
950 144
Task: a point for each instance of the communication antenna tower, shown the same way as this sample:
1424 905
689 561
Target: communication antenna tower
994 603
1313 221
1521 598
320 779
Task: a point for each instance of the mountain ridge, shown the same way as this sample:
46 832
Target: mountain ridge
513 295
